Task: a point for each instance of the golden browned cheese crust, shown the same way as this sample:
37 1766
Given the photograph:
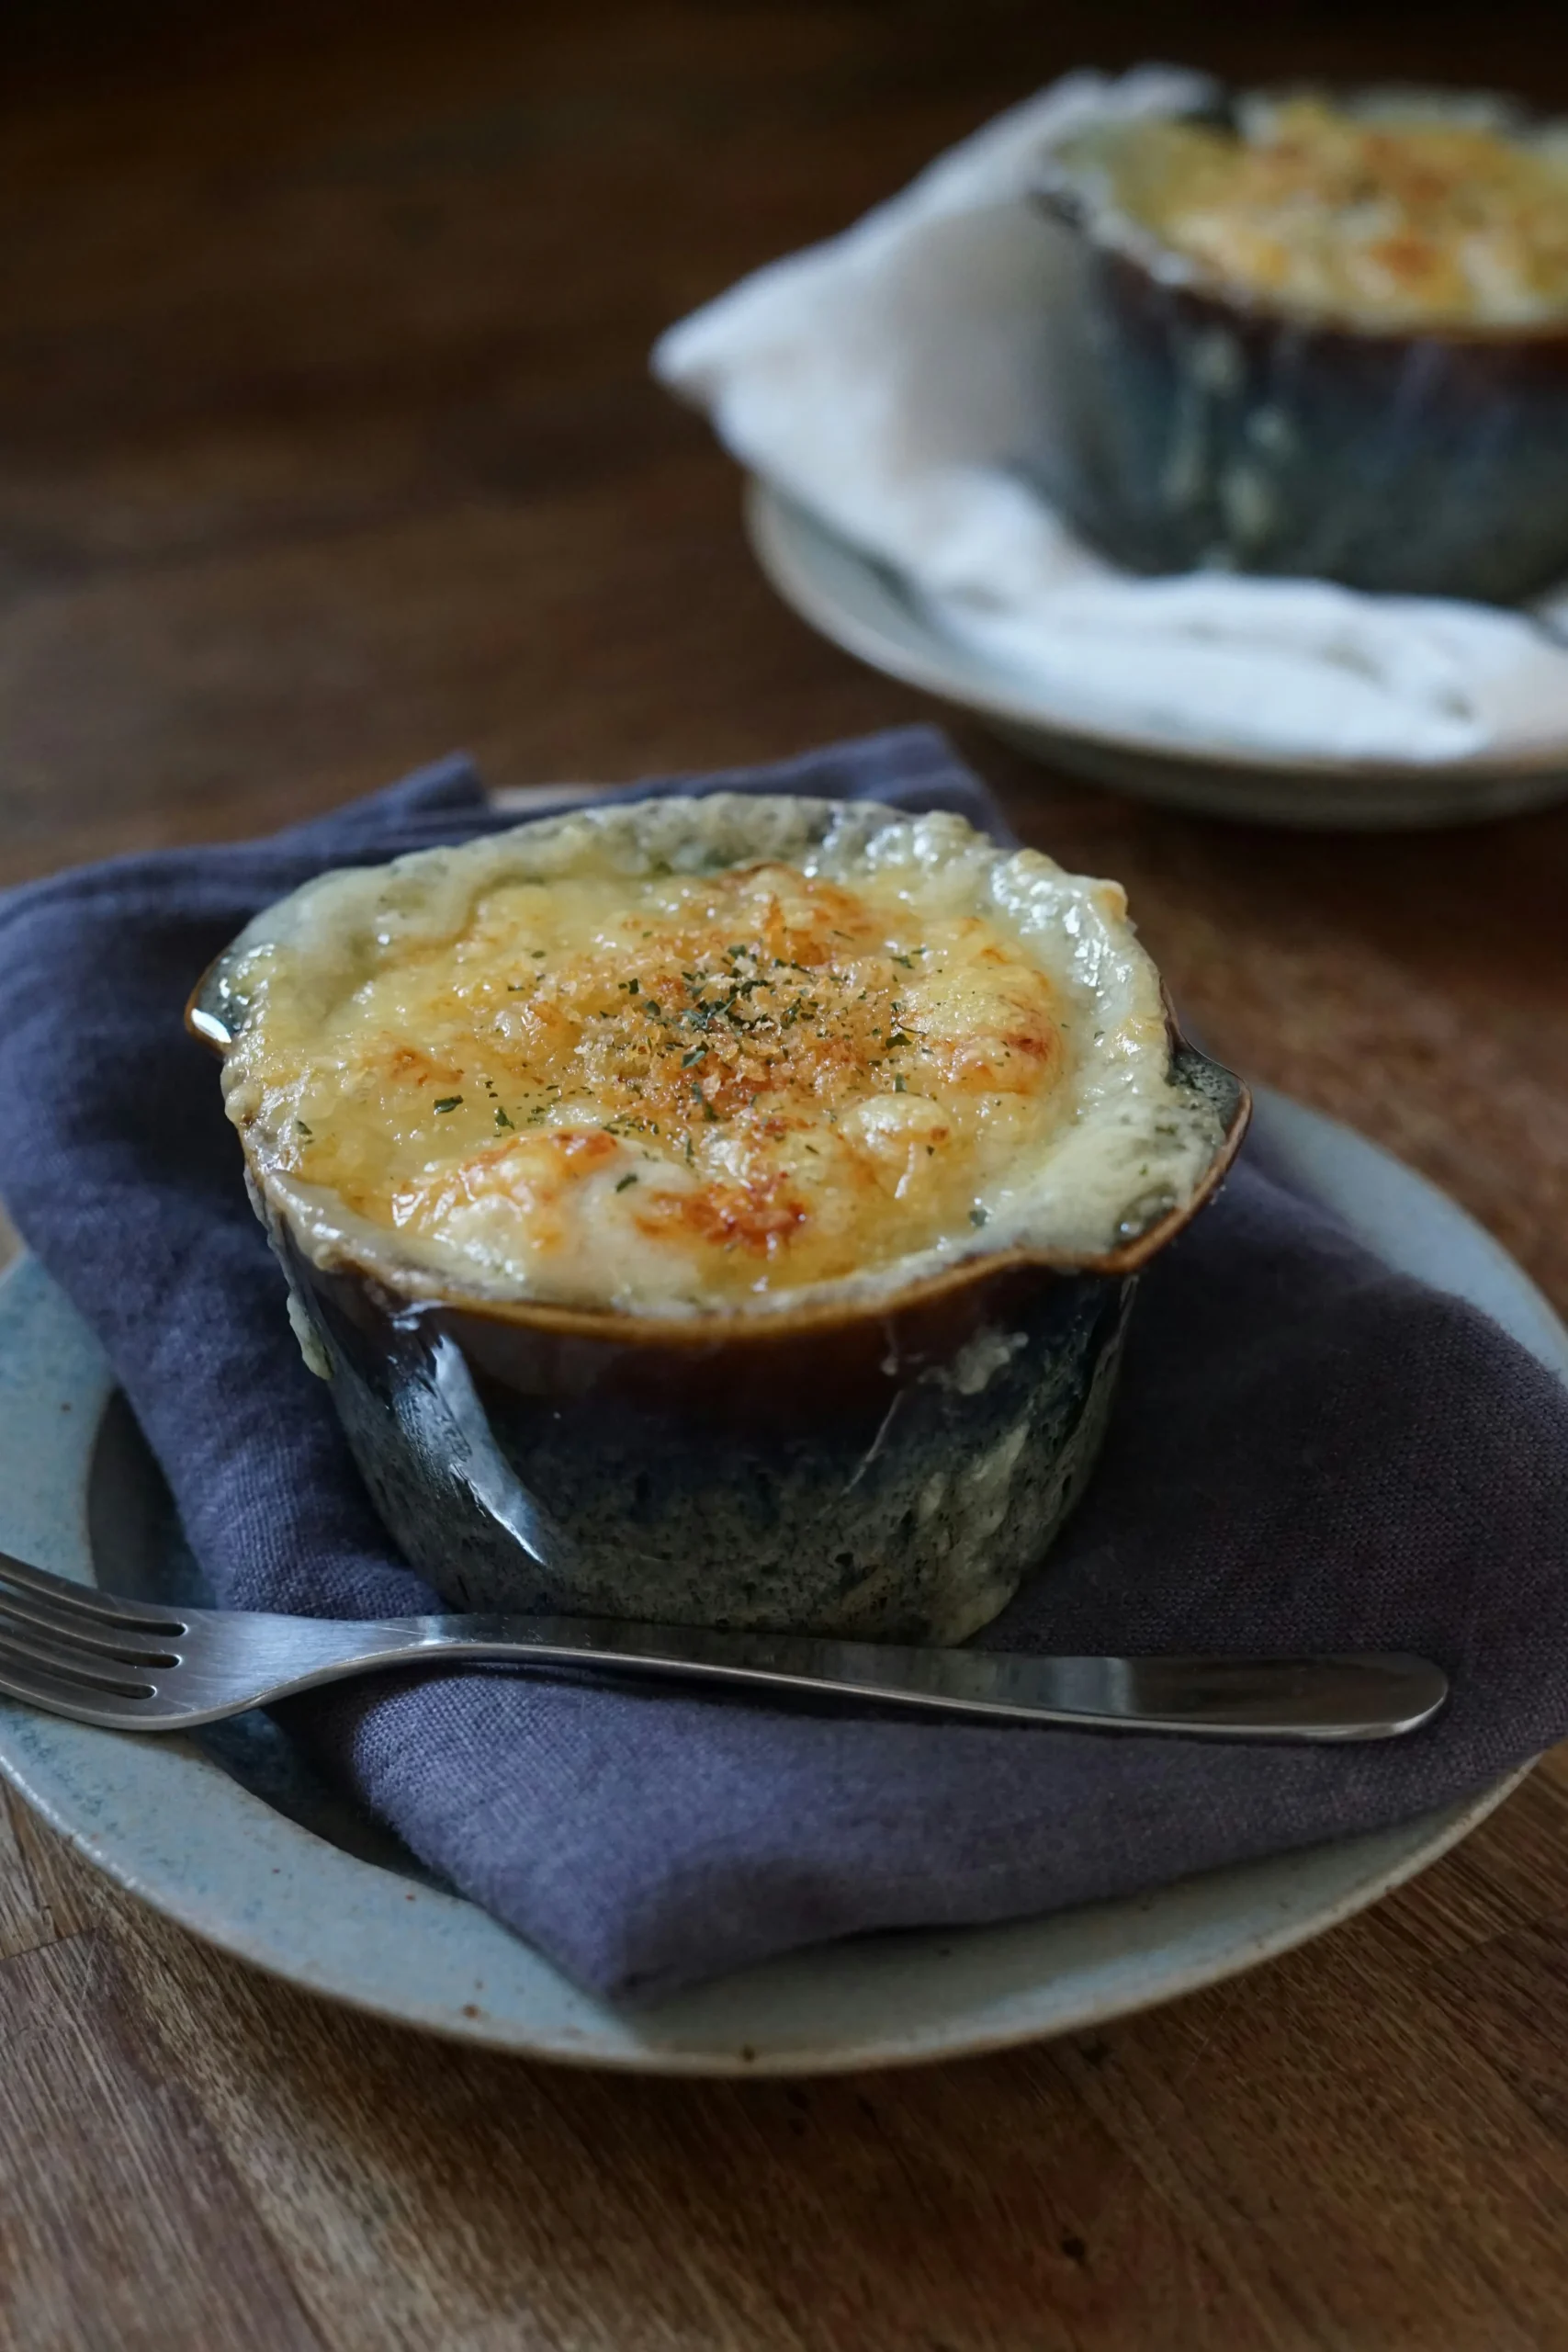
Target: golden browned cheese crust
1387 219
693 1056
777 1075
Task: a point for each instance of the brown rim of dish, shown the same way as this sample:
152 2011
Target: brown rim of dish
701 1329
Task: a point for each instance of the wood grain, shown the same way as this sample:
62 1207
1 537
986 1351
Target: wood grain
326 445
136 2234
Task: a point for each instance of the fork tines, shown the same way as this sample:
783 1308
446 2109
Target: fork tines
85 1602
60 1640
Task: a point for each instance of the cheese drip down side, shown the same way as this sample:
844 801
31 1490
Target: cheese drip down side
679 1088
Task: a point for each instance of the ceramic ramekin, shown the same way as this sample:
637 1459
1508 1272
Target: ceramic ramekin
1186 423
886 1465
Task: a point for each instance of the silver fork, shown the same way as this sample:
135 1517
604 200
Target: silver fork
131 1665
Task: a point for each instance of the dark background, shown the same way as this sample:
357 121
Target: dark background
316 319
1481 44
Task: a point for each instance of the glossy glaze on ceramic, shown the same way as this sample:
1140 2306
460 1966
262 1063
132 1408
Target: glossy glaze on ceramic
893 1477
1194 425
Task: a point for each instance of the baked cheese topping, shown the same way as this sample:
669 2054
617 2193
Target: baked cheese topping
662 1089
1387 218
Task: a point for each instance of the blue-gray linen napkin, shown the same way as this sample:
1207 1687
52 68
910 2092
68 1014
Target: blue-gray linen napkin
1309 1453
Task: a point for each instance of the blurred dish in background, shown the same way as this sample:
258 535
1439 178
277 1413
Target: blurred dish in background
891 388
1324 339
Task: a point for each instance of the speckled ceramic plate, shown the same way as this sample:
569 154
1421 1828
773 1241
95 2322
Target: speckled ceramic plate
230 1836
864 607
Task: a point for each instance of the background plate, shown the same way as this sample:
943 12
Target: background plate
231 1835
864 607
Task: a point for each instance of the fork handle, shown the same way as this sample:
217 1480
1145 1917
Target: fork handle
1371 1696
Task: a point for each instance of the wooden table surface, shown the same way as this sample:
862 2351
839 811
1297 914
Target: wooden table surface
326 445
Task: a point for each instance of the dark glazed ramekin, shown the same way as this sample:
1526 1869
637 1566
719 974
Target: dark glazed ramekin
890 1471
1186 424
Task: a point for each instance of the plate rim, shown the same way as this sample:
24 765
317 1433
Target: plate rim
1448 1828
775 523
45 1759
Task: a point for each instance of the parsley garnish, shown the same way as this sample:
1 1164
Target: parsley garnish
978 1216
447 1102
501 1118
304 1130
626 1181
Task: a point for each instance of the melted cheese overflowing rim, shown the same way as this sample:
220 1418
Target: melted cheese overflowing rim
707 1055
1389 219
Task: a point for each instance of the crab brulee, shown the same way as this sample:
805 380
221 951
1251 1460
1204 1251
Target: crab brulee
570 1064
716 1210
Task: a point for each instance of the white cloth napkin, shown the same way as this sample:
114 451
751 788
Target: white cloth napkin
885 379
